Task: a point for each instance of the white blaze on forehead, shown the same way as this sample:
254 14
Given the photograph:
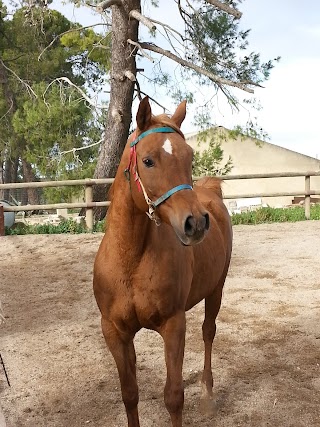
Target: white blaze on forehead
167 146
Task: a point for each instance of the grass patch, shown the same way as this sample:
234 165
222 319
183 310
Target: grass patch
66 226
268 215
260 216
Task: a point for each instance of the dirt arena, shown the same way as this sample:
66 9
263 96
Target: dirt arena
266 353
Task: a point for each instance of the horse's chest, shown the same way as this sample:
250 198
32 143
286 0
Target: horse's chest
159 293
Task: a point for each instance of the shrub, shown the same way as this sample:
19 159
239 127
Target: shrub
268 215
65 226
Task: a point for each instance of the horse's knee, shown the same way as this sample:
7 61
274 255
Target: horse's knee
174 399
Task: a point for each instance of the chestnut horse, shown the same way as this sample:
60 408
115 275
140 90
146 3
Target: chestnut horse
150 269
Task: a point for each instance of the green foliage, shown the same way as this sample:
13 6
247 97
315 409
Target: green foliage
68 226
50 125
260 216
90 54
216 41
267 215
26 40
42 120
87 42
213 41
210 161
59 119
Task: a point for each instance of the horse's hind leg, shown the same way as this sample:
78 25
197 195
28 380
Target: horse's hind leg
122 349
212 307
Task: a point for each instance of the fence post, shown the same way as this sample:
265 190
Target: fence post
307 197
1 221
89 211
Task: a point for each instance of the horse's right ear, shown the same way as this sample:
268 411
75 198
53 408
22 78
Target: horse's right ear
144 114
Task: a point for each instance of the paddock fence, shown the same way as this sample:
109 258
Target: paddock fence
89 204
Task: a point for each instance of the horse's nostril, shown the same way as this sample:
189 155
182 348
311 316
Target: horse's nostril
193 225
207 221
190 226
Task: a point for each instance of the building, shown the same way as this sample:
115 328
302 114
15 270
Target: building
250 156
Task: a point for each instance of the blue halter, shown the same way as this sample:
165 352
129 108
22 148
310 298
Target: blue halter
148 132
152 205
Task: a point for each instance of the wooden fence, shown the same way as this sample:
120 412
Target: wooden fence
89 204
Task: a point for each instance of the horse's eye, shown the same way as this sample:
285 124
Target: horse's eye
148 162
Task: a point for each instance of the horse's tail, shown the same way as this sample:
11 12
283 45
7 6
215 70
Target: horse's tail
211 183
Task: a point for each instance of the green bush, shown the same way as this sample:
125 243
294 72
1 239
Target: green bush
66 226
259 216
268 215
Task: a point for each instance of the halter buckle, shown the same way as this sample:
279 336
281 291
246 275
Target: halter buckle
152 215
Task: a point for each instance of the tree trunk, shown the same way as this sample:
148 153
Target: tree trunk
10 175
29 176
9 166
1 178
121 96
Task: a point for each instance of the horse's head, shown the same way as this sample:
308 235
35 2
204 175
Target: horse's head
161 165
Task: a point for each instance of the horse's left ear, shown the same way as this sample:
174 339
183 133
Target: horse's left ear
180 113
144 114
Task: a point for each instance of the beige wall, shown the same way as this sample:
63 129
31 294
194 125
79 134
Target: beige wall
250 158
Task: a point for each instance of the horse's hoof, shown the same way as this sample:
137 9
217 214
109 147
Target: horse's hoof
208 406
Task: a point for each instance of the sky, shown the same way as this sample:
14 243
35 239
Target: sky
290 98
291 29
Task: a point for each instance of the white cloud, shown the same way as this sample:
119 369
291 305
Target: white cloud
313 31
291 105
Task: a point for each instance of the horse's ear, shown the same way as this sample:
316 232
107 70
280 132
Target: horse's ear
144 114
180 113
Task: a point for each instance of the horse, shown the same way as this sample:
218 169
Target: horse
167 246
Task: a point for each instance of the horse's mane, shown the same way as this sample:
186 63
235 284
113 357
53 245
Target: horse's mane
110 192
211 183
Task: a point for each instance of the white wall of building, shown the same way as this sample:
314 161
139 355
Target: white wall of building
248 157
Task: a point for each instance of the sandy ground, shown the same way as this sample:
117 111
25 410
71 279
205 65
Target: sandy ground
266 353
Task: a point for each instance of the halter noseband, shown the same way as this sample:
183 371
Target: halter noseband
133 160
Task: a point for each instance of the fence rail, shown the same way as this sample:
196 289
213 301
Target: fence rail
89 204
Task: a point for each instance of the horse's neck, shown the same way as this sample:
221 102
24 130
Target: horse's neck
126 226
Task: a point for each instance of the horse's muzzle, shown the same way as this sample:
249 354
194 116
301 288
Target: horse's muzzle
193 229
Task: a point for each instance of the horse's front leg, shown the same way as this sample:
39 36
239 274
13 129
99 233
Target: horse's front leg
173 333
122 349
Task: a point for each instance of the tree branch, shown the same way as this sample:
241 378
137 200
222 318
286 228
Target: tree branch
66 32
222 6
85 97
29 88
143 19
73 150
213 77
10 108
141 49
140 92
101 7
171 32
168 27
